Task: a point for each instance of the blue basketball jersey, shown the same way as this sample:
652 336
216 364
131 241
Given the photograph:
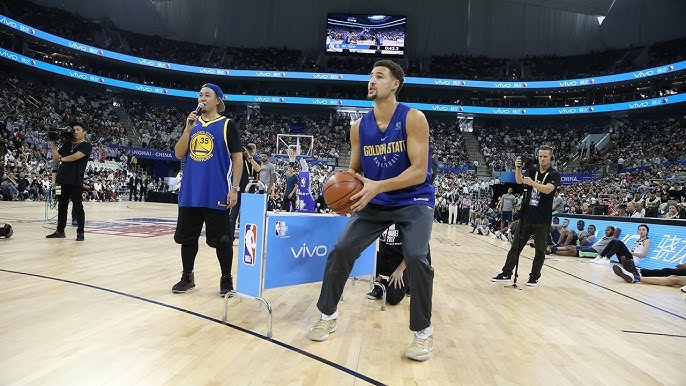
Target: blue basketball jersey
207 170
383 155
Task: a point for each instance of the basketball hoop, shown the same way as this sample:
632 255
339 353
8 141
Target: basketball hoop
292 154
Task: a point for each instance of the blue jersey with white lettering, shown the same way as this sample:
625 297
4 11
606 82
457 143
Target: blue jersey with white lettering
383 155
208 168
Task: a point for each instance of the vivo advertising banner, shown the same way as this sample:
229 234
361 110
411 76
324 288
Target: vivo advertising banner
166 66
239 98
251 244
668 242
299 244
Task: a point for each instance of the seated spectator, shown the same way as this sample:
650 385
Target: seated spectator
637 253
592 250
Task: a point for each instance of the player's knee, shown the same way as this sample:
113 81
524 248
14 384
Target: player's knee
220 242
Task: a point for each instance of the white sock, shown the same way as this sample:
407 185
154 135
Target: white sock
425 333
330 317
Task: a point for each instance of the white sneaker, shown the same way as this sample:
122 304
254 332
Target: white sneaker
683 289
605 261
420 349
596 260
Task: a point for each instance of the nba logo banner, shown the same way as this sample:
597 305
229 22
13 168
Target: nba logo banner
251 244
250 248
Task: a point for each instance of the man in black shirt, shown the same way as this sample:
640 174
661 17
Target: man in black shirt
536 216
251 169
290 194
72 158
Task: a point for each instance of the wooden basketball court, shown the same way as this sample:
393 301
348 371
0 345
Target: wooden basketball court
102 312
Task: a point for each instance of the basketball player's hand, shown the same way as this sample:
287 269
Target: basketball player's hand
370 189
231 198
396 279
190 121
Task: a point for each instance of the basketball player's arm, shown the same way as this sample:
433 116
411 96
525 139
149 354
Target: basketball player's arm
417 145
355 163
181 147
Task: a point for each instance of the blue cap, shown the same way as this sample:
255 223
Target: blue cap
219 93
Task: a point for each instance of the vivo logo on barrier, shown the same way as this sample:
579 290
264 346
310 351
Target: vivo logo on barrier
503 85
637 105
442 82
8 22
140 87
78 46
320 76
207 71
501 111
320 102
270 74
439 108
144 62
78 75
8 55
568 83
643 74
261 99
305 251
567 111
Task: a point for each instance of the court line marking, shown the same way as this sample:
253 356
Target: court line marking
653 333
587 281
211 319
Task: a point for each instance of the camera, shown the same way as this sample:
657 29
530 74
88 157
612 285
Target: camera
64 134
527 162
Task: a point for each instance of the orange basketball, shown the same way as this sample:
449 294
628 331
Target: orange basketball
338 190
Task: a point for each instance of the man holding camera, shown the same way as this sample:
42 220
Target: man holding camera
251 169
72 158
536 213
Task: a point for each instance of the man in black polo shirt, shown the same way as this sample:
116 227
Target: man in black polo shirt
537 212
72 158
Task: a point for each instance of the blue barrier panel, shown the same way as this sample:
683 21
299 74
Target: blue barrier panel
251 244
668 240
299 244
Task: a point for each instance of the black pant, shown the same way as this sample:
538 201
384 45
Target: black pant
414 222
524 231
616 247
288 204
73 193
664 272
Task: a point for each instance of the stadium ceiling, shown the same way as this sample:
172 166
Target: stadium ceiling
586 7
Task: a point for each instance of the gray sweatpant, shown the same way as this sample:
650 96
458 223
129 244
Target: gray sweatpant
414 222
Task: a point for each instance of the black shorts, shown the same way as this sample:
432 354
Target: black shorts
189 226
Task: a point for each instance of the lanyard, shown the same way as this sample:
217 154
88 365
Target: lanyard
542 181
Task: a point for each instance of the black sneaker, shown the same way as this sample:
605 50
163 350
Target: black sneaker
74 223
187 283
79 237
56 235
225 285
7 231
501 277
376 293
532 282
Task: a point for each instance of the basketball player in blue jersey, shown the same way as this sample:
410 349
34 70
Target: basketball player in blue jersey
211 149
390 146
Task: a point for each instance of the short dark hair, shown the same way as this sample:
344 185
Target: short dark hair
77 123
395 70
547 147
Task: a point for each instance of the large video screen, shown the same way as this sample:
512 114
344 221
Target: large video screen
374 35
